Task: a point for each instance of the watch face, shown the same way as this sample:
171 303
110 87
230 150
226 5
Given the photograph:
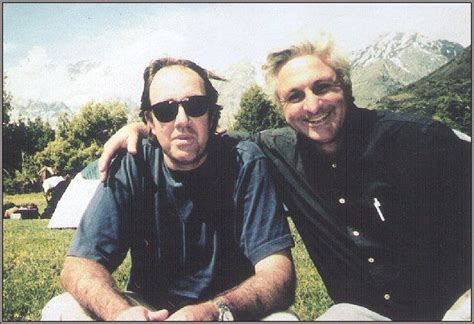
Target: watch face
225 315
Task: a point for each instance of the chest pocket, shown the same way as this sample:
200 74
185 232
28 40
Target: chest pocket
379 202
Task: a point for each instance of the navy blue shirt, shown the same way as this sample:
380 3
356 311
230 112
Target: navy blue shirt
191 234
387 221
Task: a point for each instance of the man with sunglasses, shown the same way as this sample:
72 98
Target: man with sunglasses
382 200
199 215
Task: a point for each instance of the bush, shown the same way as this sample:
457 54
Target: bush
19 183
257 112
80 139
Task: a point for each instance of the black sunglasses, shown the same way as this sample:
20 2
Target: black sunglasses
194 106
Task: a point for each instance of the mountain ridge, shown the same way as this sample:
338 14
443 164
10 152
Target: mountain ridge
392 62
395 60
444 94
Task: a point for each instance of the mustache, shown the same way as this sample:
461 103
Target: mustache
187 132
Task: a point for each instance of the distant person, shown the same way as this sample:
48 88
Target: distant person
53 188
49 184
199 215
9 208
382 200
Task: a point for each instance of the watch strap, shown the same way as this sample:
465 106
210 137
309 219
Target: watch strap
225 314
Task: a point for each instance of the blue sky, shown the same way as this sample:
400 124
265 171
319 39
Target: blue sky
76 52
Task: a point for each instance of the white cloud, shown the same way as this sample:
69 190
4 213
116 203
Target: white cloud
8 47
109 62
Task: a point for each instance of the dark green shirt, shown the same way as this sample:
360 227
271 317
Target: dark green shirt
191 234
387 221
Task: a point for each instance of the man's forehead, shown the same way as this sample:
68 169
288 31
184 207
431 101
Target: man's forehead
302 69
176 82
176 73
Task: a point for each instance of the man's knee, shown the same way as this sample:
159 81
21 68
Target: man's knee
65 308
350 312
461 309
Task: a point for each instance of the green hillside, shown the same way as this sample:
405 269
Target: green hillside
444 94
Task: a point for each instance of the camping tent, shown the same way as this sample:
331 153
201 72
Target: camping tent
76 198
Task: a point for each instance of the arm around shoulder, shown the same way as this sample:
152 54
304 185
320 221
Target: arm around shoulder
128 137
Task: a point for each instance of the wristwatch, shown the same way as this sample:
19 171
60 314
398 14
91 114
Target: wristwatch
225 314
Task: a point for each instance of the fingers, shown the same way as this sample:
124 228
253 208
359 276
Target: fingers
160 315
140 313
132 143
127 137
104 162
135 313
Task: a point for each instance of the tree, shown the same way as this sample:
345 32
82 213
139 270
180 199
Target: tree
6 103
21 138
24 137
257 112
8 133
38 134
79 140
97 122
20 141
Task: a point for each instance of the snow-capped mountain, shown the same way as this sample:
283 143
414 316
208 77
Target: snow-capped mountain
50 111
240 76
47 111
396 60
390 63
444 94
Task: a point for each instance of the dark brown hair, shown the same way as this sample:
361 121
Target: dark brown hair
211 92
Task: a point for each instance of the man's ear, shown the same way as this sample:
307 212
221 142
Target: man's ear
149 122
152 128
212 121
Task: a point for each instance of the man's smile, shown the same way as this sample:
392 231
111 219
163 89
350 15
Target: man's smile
318 119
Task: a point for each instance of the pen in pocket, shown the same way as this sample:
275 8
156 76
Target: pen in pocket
377 206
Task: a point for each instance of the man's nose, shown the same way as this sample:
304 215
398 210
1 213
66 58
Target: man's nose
181 118
311 103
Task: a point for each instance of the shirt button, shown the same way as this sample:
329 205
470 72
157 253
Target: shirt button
334 165
342 201
386 296
371 260
355 233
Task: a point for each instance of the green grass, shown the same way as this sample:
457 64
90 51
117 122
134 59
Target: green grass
33 256
311 298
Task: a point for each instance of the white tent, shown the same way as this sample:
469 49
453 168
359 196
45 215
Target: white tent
76 198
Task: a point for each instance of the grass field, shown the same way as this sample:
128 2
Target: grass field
33 257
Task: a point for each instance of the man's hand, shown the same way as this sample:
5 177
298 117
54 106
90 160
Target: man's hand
127 137
207 311
272 288
139 313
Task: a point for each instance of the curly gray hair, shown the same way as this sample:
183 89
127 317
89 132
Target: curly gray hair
325 49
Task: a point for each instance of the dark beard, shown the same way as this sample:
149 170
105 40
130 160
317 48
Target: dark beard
201 157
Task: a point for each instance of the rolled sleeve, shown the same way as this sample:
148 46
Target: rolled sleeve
265 230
